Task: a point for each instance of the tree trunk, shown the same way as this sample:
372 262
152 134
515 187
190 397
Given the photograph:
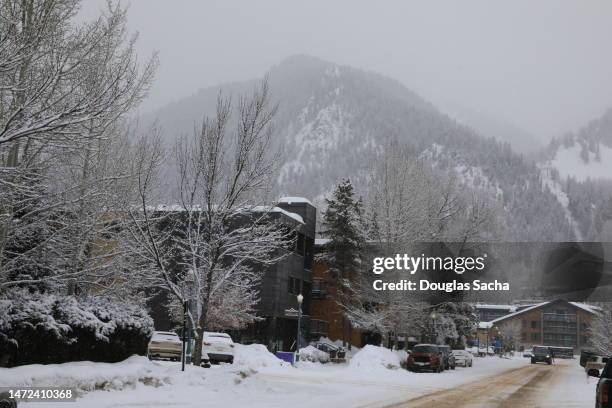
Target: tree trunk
197 349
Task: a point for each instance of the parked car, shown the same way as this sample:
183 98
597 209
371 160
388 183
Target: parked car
449 359
219 347
165 345
528 353
586 355
483 351
596 362
425 357
604 386
541 354
463 358
337 354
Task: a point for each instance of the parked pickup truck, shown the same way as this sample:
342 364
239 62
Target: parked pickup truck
604 386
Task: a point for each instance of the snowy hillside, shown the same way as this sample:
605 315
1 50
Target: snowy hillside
577 168
335 121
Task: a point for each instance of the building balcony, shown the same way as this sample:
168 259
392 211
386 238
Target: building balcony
319 328
552 317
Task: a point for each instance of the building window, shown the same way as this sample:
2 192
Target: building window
293 286
535 336
534 324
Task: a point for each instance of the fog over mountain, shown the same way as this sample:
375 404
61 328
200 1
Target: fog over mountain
334 121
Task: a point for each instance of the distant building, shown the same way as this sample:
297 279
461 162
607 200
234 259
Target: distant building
552 323
488 312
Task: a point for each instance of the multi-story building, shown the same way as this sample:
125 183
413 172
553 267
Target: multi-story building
284 281
279 287
553 323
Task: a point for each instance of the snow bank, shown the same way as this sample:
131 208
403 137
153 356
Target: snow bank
87 376
373 357
255 356
403 357
313 354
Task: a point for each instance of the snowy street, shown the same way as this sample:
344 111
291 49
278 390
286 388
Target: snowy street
263 382
560 385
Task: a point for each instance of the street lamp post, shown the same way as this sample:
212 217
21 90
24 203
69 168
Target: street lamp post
433 316
300 299
184 348
487 349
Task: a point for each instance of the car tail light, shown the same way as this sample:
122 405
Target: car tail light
605 395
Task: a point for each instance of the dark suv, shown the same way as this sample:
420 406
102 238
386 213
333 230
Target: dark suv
604 386
425 357
541 354
448 358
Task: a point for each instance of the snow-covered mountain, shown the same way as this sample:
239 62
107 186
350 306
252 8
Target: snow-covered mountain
578 168
586 154
333 122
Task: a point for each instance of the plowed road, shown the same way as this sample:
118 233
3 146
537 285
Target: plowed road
540 386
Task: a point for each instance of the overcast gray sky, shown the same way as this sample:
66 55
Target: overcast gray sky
545 65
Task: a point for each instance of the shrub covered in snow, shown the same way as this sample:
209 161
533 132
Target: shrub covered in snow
373 357
44 328
255 356
313 354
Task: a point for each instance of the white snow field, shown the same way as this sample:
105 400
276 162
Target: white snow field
258 379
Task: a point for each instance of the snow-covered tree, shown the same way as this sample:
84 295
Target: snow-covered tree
216 242
64 89
343 225
601 332
511 333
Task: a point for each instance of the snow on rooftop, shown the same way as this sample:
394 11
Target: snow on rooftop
257 208
587 307
265 208
291 200
583 306
510 308
321 241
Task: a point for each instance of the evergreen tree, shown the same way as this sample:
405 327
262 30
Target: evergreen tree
343 225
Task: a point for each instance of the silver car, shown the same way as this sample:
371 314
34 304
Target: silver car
463 358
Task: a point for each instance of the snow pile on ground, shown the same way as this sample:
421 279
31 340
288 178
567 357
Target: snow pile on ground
403 357
86 376
314 355
372 357
255 356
